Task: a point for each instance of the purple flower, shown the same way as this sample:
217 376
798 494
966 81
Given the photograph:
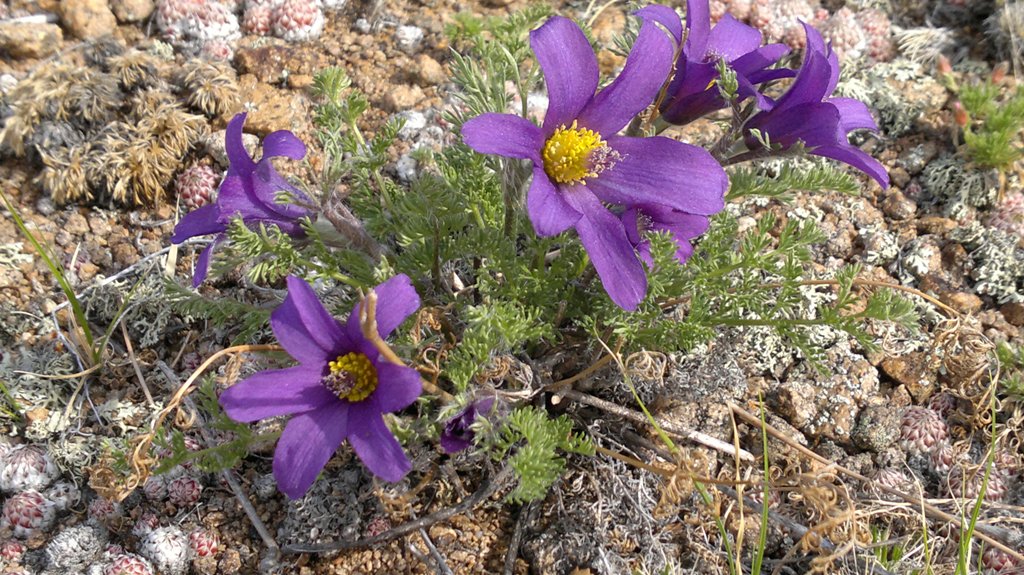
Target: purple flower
458 431
692 92
249 191
806 113
682 226
340 389
579 161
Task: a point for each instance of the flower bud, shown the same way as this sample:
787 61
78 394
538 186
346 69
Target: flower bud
960 115
944 67
999 72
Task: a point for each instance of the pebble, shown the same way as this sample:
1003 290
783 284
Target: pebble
30 39
911 370
87 19
132 10
406 168
409 38
428 72
877 427
403 97
362 25
898 207
414 122
964 302
1014 313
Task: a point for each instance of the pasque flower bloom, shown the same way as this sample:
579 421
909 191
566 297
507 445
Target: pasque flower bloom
249 191
340 389
806 113
693 92
579 161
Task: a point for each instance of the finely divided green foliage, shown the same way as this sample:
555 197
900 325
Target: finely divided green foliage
747 182
537 439
997 118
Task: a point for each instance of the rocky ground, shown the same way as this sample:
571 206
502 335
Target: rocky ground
162 88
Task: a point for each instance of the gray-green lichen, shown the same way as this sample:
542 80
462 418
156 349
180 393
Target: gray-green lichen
958 186
998 261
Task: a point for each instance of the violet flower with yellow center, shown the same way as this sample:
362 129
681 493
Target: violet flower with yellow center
340 389
579 161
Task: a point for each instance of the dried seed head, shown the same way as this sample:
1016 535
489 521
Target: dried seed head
135 69
212 87
65 174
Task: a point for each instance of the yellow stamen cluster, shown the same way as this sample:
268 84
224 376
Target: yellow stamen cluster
352 377
569 154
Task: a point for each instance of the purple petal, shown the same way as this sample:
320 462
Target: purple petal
858 159
662 171
375 445
505 135
397 387
307 444
814 123
305 329
452 443
853 114
646 69
238 157
266 185
604 238
396 300
570 69
761 58
203 262
199 222
235 198
548 210
665 16
692 94
812 82
277 392
283 143
816 45
698 26
731 39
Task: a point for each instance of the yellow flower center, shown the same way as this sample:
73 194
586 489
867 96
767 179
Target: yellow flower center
573 154
352 377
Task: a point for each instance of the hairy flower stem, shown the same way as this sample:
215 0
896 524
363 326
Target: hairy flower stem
368 322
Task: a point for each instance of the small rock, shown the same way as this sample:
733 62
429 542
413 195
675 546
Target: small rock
362 25
76 224
413 122
132 10
403 97
1014 313
272 109
88 19
964 302
406 168
878 427
898 207
428 71
409 38
912 371
899 176
125 254
935 225
30 39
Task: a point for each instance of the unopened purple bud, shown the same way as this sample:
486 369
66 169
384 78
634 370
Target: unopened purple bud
458 431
